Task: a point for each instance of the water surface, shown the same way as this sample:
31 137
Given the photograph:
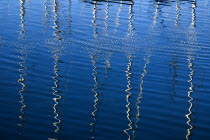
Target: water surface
105 70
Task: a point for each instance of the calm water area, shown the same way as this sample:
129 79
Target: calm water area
104 70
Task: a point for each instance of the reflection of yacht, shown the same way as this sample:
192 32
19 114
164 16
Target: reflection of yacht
97 3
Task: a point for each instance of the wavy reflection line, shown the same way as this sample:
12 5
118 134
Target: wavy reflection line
155 15
128 75
178 10
190 66
69 16
174 75
193 13
46 13
117 20
94 24
55 93
107 63
21 80
192 28
56 54
56 26
130 28
147 61
106 17
22 17
96 100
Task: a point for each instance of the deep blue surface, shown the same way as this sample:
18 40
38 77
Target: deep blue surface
105 70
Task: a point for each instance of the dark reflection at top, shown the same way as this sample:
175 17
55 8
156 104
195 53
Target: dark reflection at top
164 2
96 15
158 13
126 2
169 2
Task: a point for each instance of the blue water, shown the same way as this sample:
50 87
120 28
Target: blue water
104 70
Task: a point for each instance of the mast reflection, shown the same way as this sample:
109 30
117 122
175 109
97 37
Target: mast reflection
129 76
155 15
190 66
22 63
178 10
22 17
106 18
96 95
56 26
46 13
174 75
192 41
130 19
117 20
147 61
69 16
94 24
128 72
56 55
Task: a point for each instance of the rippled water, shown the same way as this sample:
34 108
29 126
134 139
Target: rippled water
105 70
